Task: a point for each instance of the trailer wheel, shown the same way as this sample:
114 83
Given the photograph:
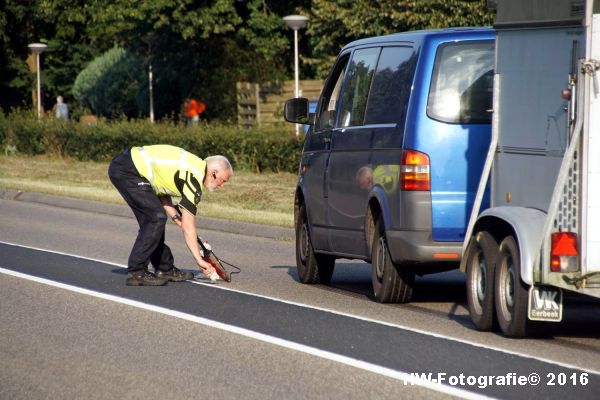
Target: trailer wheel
481 256
312 267
391 284
511 293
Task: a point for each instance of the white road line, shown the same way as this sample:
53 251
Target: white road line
405 377
407 328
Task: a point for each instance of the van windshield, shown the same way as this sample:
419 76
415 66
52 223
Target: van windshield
461 85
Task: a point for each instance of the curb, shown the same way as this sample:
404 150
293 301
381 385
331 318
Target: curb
214 224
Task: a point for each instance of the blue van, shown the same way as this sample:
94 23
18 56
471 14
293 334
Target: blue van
390 168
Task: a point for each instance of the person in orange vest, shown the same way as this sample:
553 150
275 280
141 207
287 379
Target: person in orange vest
193 109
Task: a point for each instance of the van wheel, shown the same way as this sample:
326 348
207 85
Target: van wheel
511 293
481 256
312 267
391 283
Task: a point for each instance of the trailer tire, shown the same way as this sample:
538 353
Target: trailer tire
312 267
391 283
511 293
481 256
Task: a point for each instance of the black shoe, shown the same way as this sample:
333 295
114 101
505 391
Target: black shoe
144 278
174 275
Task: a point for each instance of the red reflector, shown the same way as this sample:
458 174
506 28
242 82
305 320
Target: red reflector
450 256
564 253
414 171
564 244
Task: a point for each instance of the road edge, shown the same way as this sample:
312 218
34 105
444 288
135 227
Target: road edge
208 223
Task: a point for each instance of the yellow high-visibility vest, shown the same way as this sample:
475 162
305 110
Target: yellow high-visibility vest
172 171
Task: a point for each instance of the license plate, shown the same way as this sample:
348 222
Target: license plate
545 304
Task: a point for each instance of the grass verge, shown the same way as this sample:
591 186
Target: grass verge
266 198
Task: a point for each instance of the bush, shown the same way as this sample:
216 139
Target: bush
109 85
255 150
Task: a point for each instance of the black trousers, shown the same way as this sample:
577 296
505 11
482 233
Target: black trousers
149 246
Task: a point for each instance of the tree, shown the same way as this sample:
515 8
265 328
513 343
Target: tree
15 79
59 24
334 24
199 48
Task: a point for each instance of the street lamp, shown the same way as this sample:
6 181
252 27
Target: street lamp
37 49
296 22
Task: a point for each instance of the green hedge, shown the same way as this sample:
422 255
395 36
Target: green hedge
256 150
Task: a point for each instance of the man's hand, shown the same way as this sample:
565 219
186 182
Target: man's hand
206 268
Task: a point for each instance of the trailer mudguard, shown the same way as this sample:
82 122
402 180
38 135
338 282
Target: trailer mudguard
528 226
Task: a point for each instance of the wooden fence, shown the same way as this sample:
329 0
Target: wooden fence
262 104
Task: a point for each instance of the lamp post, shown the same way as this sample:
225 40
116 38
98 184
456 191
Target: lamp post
37 49
296 22
150 90
148 40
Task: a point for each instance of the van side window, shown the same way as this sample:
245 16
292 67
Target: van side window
388 100
461 85
358 83
329 103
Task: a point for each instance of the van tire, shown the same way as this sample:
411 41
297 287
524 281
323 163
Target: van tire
312 267
481 256
391 283
511 293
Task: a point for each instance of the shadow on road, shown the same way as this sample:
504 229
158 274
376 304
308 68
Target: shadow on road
443 295
119 271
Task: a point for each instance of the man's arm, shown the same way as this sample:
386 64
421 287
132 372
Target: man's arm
188 226
170 209
187 223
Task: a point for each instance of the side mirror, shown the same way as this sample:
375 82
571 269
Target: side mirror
296 110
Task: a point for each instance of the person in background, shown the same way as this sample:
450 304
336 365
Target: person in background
61 109
192 109
147 177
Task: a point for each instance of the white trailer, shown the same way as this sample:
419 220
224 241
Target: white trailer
541 234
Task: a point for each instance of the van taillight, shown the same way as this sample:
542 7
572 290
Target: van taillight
564 253
414 171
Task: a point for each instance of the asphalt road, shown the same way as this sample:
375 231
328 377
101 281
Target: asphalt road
70 328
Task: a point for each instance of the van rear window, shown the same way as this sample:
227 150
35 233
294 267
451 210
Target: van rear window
462 83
